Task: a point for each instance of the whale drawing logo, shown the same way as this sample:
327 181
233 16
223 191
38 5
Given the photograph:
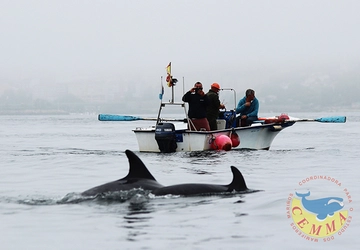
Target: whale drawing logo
321 207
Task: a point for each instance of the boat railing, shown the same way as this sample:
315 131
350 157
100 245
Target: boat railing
234 92
179 104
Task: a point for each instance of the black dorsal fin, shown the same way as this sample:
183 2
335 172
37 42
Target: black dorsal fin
137 169
238 182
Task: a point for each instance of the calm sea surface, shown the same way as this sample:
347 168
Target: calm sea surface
46 161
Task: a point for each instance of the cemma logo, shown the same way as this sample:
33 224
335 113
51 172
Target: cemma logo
320 214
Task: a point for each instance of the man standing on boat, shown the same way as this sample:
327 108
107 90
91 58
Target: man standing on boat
212 111
198 103
248 108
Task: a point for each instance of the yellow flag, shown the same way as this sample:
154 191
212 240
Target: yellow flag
168 69
169 77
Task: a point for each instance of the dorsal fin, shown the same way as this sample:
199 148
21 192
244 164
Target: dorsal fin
137 169
238 182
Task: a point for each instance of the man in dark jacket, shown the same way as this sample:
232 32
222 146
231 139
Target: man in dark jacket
198 103
212 111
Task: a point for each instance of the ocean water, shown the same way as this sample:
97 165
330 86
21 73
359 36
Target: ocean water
46 161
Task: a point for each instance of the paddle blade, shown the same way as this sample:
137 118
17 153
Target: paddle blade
334 119
105 117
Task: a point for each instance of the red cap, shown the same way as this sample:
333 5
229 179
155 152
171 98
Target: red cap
215 85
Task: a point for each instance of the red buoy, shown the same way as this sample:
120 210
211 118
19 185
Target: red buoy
235 139
284 117
222 142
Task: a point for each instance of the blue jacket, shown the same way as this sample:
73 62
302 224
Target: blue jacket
249 111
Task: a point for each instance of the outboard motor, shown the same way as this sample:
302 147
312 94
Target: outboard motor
165 137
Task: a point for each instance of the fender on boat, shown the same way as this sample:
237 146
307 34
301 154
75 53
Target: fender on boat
235 139
221 142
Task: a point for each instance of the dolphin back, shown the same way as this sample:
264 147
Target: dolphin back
137 177
140 177
137 169
238 182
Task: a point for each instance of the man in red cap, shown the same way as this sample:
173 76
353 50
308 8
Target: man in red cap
212 110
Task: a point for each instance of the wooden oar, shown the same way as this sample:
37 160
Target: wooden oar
106 117
331 119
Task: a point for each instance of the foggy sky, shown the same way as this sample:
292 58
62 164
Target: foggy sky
130 42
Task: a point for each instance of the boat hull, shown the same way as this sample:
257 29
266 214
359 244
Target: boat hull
257 137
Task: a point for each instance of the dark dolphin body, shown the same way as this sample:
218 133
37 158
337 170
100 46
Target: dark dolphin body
237 184
140 177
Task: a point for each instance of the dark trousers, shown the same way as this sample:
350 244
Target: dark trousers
245 122
212 124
